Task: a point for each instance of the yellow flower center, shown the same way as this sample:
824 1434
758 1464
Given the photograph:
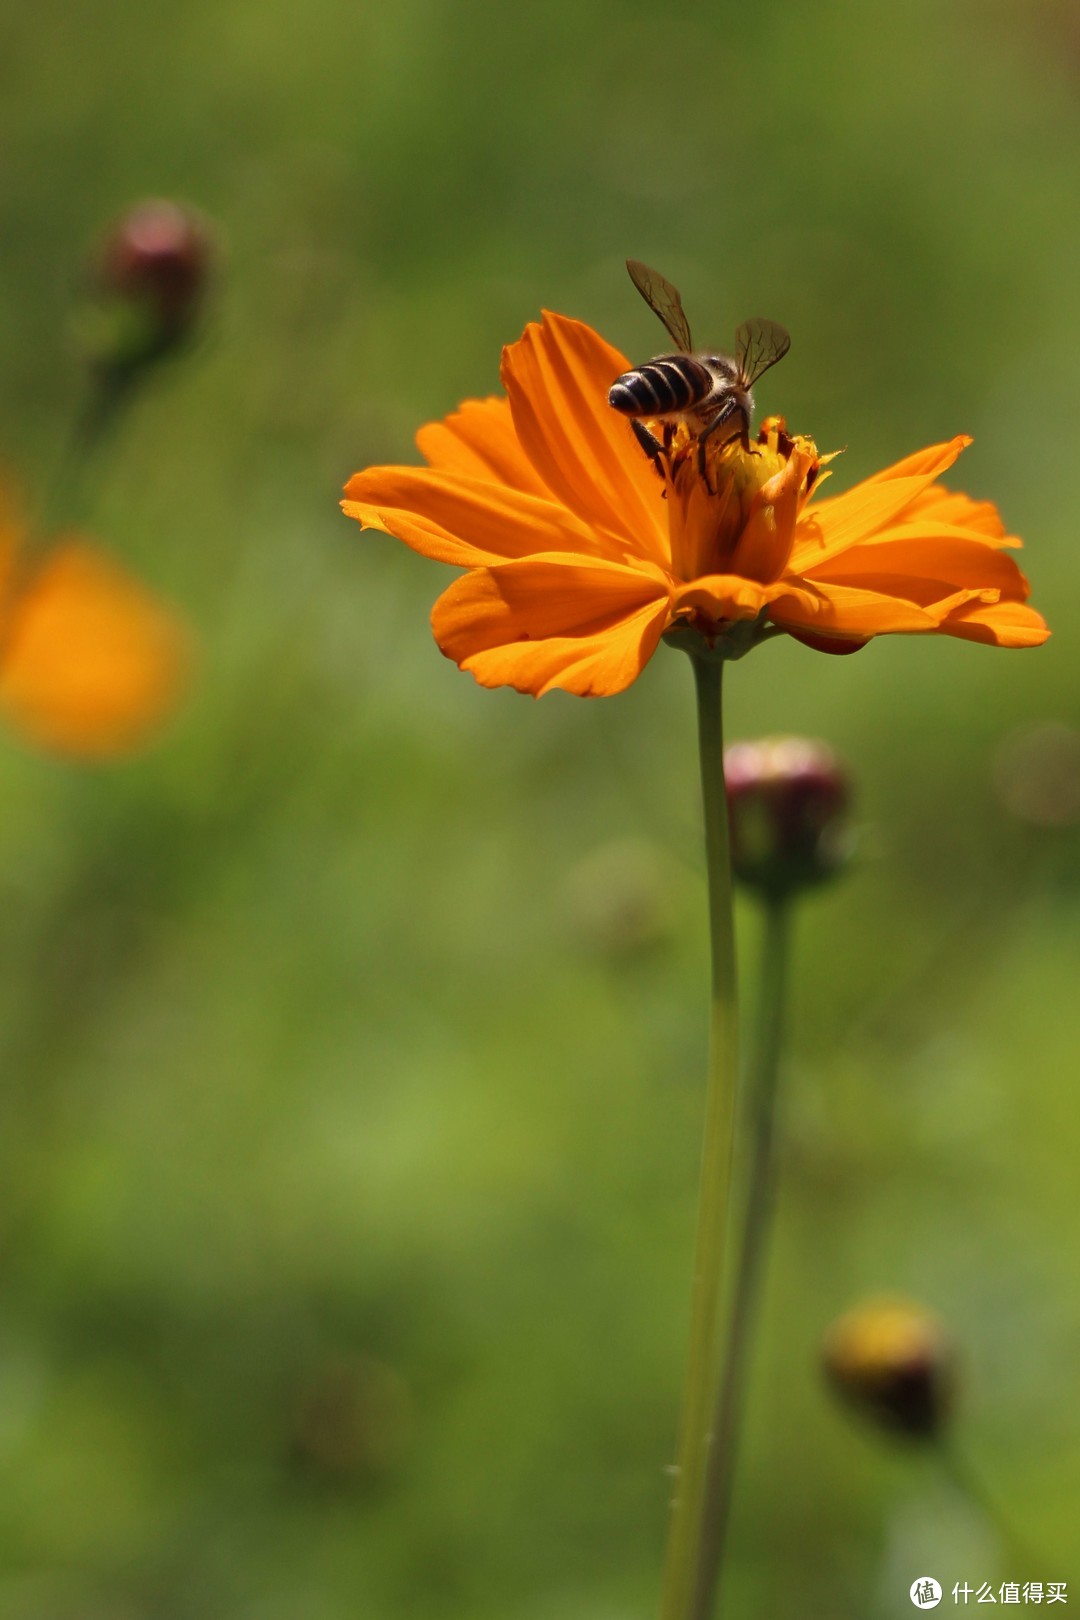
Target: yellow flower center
733 504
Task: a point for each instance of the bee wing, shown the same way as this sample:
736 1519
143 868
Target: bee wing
759 345
663 299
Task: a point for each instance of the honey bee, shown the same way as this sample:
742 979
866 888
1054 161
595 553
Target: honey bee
703 389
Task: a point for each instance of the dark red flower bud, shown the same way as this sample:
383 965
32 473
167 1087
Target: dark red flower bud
788 799
158 251
892 1361
148 282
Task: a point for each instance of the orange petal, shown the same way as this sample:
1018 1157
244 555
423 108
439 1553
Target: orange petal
830 526
466 521
723 596
1002 624
696 517
848 611
765 543
925 571
836 646
554 621
949 506
922 462
557 378
911 526
90 662
478 439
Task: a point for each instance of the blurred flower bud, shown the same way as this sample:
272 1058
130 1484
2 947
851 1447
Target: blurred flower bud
1037 774
147 284
788 799
892 1361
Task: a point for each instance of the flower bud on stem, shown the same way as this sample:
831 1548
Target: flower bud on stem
143 291
893 1362
787 801
147 285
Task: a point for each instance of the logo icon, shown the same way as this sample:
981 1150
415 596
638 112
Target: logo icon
925 1592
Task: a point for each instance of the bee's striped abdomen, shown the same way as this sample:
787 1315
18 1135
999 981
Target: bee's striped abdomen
663 387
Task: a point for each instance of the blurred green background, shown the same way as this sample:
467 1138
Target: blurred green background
352 1037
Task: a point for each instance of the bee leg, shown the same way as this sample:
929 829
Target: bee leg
648 442
724 414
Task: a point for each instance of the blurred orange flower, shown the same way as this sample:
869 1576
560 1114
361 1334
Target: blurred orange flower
90 662
582 552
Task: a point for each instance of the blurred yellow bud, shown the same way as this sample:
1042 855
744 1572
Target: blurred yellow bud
891 1359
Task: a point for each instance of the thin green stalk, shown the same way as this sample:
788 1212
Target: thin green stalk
753 1246
957 1468
109 394
695 1433
65 493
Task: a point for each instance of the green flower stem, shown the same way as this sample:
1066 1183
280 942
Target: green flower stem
109 395
62 506
958 1470
753 1245
695 1434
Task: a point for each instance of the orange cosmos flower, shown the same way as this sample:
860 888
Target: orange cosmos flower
90 662
582 552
